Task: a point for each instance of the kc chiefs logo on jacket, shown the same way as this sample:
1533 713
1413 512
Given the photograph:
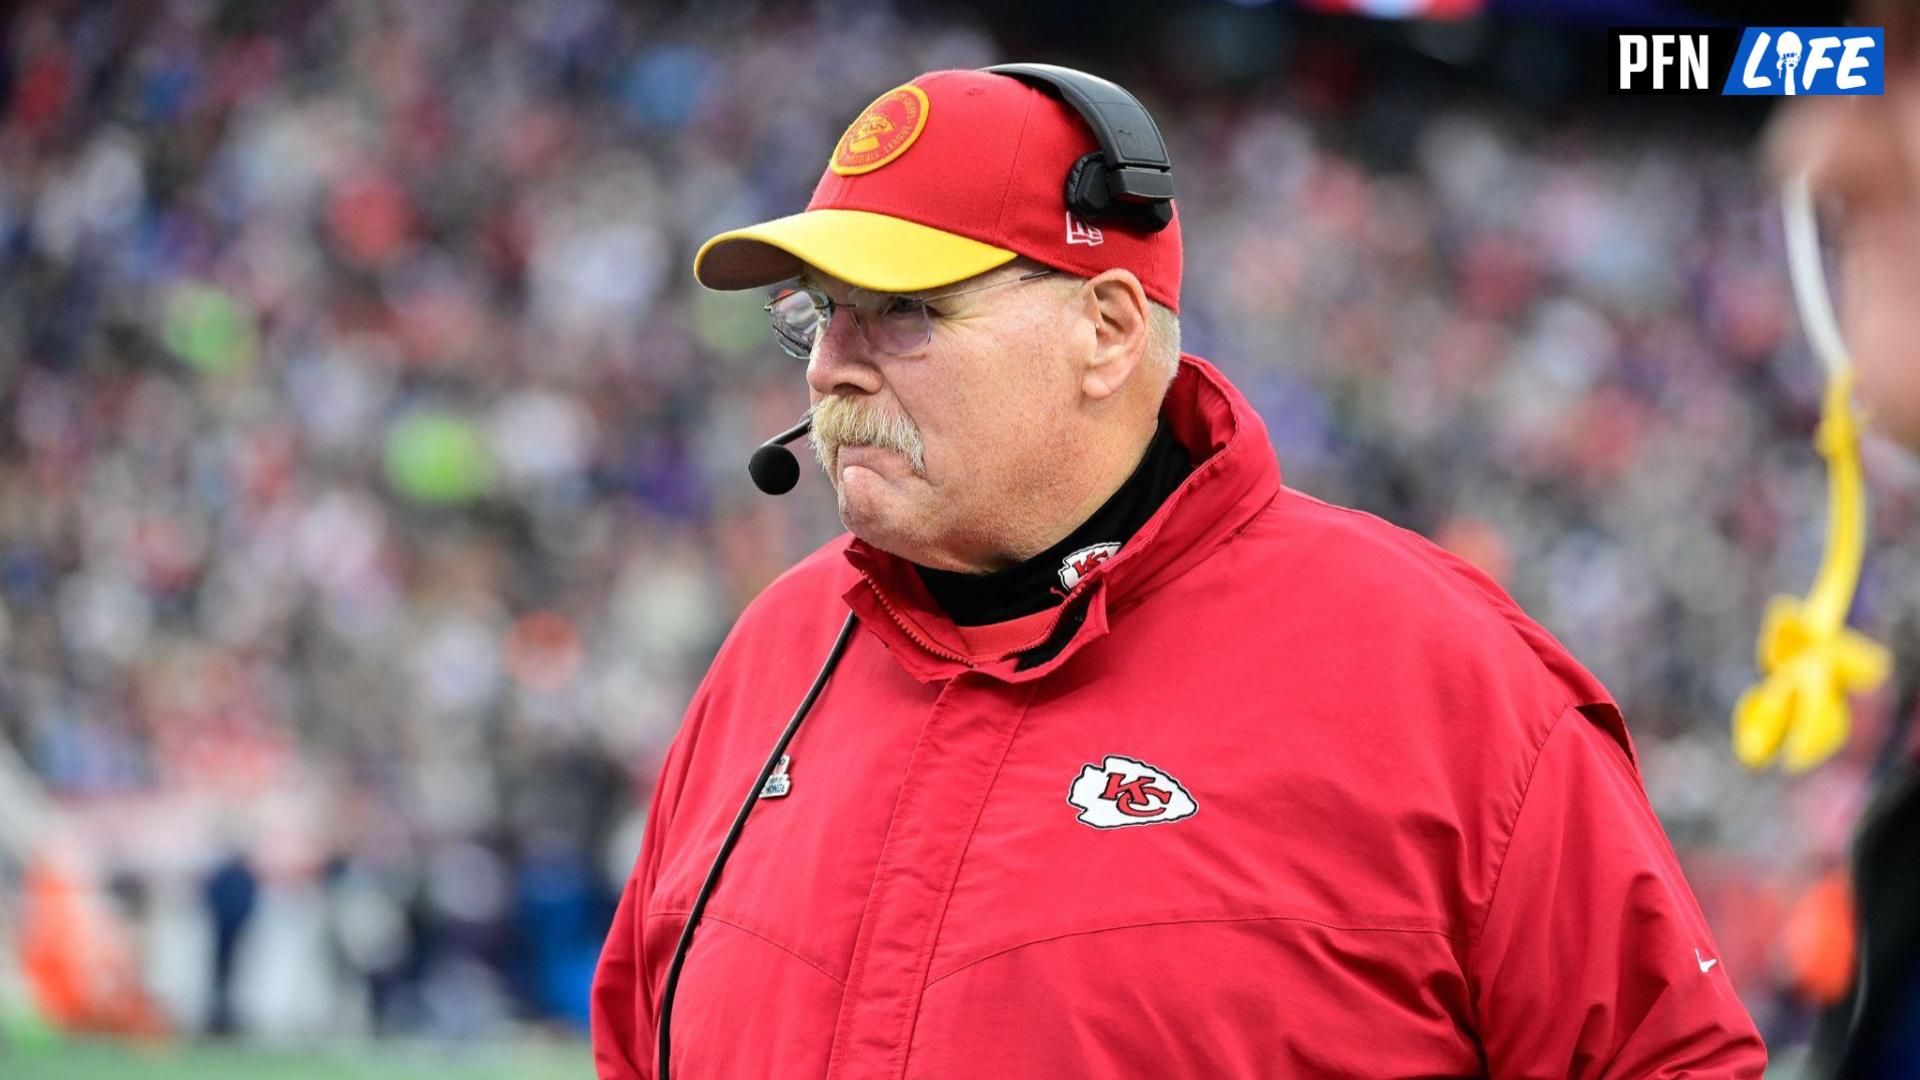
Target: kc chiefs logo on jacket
1122 791
1081 563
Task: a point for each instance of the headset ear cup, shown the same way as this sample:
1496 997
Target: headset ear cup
1091 199
1087 194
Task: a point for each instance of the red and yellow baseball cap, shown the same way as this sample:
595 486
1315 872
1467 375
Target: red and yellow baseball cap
946 177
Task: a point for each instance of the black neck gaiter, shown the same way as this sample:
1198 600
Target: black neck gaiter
1042 581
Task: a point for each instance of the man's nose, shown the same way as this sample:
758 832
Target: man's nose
841 362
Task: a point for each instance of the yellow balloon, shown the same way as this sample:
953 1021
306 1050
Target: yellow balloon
1810 660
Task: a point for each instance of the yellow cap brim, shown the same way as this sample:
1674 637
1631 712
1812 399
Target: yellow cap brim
867 250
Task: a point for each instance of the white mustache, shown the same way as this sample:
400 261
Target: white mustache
841 421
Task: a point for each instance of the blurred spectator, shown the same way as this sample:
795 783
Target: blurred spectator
231 893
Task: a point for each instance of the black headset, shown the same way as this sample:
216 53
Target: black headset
1129 180
1127 183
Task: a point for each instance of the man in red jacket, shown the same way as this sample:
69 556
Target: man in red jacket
1136 763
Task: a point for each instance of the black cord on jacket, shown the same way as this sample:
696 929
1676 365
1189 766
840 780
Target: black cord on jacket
733 834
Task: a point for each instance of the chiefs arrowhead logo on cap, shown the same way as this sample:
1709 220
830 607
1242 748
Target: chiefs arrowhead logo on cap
882 132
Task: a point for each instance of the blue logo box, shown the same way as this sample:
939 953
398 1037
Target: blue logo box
1790 61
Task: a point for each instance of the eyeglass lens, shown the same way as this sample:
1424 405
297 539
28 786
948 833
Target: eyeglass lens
893 325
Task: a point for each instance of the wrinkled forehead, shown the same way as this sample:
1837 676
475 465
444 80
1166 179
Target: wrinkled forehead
812 277
815 277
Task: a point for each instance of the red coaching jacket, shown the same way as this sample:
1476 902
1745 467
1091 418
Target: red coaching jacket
1286 792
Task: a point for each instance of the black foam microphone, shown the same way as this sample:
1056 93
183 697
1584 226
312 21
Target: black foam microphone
773 467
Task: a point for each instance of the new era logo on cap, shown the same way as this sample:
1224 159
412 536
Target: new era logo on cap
1079 232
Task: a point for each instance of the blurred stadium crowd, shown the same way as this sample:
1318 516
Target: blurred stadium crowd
372 485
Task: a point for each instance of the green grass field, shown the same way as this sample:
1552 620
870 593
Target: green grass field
102 1061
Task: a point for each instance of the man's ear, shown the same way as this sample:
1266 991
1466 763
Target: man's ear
1119 308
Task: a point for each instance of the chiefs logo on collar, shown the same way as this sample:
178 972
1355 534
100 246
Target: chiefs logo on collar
882 132
1081 563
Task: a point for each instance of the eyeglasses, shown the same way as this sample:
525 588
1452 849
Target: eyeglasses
891 324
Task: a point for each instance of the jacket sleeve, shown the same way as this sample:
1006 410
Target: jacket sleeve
1594 960
624 1011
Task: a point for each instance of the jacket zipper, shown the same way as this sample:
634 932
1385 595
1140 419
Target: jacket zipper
901 621
947 654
